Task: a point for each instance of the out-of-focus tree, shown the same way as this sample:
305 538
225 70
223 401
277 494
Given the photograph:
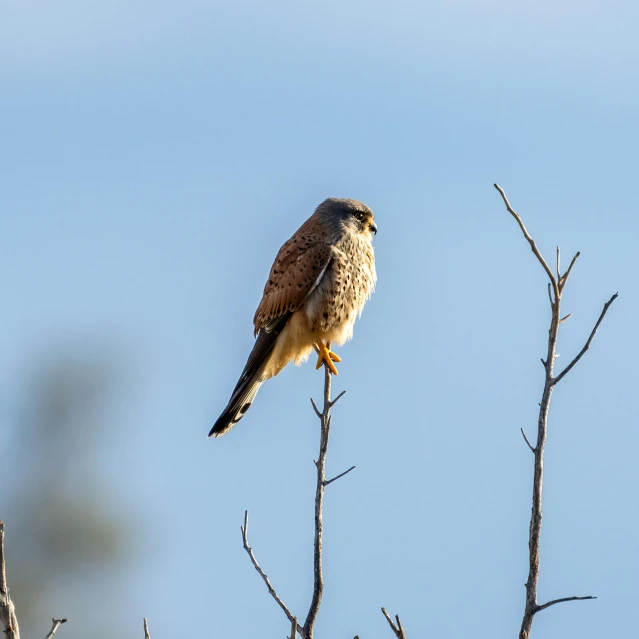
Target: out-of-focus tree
61 516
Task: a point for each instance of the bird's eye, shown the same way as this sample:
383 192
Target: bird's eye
359 215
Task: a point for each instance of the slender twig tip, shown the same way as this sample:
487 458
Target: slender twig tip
588 342
317 411
330 481
533 450
331 404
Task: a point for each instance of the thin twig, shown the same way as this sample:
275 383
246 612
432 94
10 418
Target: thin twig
533 246
316 409
564 278
146 629
558 264
398 629
330 481
337 399
556 601
587 346
532 448
262 574
56 624
565 317
7 610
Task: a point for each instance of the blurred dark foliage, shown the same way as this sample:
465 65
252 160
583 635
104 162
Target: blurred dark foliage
61 520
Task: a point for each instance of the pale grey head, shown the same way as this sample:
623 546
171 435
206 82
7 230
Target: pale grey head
346 215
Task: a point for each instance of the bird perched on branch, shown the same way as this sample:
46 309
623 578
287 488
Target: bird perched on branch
317 287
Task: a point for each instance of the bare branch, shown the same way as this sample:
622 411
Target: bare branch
587 346
316 409
56 624
529 444
399 625
556 601
398 629
533 246
532 607
7 610
330 481
563 319
318 575
337 399
564 278
306 631
262 574
146 629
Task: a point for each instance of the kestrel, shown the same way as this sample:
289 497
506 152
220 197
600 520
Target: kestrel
317 287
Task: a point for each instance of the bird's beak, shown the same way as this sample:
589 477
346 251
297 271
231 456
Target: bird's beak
373 227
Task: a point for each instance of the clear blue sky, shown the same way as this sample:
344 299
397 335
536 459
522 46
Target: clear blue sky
154 157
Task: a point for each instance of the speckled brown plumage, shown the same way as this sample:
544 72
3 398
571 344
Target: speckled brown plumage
296 268
317 287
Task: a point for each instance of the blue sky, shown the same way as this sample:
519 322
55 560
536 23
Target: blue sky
155 156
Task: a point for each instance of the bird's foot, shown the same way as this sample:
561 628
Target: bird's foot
326 356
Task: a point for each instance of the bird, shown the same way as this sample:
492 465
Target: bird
317 287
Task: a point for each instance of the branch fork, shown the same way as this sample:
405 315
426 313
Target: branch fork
307 629
396 625
56 624
556 285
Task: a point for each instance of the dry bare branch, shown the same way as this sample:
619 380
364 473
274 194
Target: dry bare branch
587 346
556 601
533 246
7 609
564 278
146 629
331 404
558 283
56 624
306 631
397 628
262 574
320 464
293 629
330 481
317 412
532 448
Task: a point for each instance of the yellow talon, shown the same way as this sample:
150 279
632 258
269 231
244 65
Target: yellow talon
326 356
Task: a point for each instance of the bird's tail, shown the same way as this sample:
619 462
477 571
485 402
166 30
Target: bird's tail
252 377
239 403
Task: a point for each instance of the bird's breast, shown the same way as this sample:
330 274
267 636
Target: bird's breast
340 296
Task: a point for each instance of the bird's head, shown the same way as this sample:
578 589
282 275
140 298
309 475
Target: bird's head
349 215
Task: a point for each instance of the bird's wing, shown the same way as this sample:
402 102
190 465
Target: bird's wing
262 348
297 270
